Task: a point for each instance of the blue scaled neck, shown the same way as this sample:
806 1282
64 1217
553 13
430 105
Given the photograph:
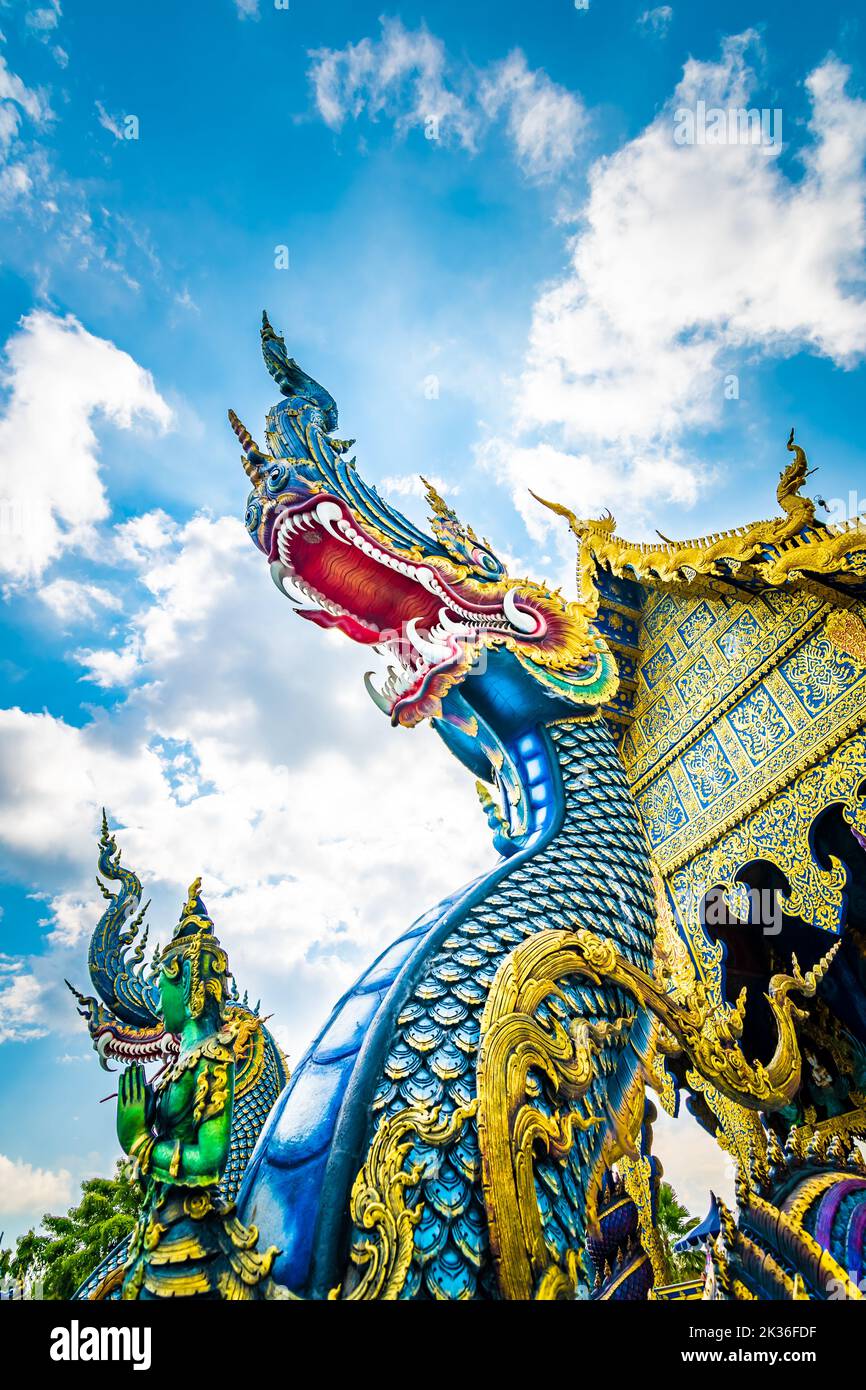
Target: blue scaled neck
574 848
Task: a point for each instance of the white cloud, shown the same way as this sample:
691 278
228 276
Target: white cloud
408 77
15 183
676 279
59 377
59 220
44 19
17 99
113 124
588 483
20 1003
186 584
411 485
139 539
72 601
693 1163
546 123
247 751
679 267
24 1188
657 20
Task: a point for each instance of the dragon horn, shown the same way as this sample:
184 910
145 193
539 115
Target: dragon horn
255 459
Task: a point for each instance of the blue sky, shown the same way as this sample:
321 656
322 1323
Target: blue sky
509 274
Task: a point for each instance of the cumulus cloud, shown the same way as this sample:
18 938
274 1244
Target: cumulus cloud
411 485
588 483
678 267
60 379
243 748
546 123
676 278
74 602
24 1188
20 1003
408 77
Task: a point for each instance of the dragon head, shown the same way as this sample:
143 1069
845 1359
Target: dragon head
439 606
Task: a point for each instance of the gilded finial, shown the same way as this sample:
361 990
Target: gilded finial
587 589
192 897
577 526
798 508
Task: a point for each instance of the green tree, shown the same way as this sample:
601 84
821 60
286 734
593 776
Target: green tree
673 1222
66 1249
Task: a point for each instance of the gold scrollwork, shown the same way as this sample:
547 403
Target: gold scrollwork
637 1177
379 1205
513 1044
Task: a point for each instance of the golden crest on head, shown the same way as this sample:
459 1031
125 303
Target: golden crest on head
194 941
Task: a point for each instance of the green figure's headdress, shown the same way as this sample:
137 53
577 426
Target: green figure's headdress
194 941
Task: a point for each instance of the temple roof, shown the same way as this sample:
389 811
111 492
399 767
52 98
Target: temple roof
782 550
710 1226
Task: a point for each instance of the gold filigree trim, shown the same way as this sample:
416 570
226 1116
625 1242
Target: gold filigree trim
378 1202
637 1176
514 1043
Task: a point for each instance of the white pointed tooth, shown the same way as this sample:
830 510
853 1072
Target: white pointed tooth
291 588
524 622
431 651
376 695
457 626
425 576
329 516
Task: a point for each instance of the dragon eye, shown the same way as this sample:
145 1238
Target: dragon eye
484 560
254 514
277 477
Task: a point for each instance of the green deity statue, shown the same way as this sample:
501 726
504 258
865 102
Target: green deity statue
188 1242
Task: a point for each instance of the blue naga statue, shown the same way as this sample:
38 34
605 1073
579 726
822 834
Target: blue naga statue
672 765
472 1121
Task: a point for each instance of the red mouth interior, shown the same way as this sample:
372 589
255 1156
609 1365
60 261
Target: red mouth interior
367 589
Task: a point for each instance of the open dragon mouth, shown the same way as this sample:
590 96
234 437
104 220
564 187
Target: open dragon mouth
428 625
129 1046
